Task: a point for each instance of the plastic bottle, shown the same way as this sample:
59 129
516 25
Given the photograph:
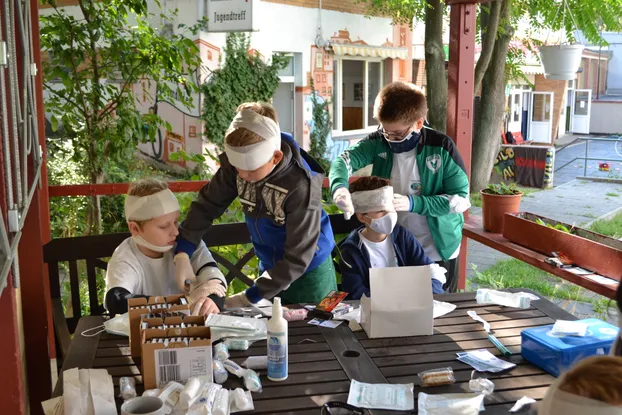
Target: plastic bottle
277 343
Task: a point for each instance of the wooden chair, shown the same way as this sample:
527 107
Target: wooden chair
94 251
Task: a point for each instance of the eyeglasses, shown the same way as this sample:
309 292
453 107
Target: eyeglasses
394 136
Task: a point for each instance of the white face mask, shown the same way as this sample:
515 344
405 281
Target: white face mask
384 224
141 241
119 325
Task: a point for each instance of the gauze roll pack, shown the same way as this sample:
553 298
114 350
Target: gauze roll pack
253 156
373 200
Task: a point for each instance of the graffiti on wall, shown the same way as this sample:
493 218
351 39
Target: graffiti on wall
504 164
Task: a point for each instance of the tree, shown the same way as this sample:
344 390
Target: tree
94 62
498 21
244 77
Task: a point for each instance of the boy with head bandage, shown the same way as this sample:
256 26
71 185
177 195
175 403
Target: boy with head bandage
143 265
279 187
380 243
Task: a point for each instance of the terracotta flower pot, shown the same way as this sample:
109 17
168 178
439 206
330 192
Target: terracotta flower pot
494 208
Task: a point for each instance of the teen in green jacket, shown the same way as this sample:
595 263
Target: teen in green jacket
427 172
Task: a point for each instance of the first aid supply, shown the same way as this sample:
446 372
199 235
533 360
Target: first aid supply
236 344
253 156
233 368
569 328
277 343
219 371
252 381
522 402
190 393
221 352
491 336
373 200
127 387
256 362
382 396
221 403
481 385
170 396
484 361
516 300
450 404
556 353
204 404
298 314
241 400
118 325
437 377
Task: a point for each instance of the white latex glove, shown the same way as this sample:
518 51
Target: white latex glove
343 200
401 203
207 288
204 306
238 300
183 270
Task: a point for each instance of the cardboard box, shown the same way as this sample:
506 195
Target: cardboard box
139 307
174 359
556 354
401 303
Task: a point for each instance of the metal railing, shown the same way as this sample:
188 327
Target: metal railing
587 157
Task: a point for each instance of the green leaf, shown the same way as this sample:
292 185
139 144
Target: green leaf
54 122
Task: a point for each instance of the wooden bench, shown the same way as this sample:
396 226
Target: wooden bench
91 252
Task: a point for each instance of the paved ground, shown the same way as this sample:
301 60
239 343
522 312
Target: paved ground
597 150
575 202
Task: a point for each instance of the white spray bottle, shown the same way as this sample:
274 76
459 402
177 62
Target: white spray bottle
277 343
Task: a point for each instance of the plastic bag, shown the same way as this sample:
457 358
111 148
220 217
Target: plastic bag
517 300
241 400
221 404
256 362
220 373
233 368
382 396
221 352
450 404
127 386
481 385
235 344
190 393
437 377
251 381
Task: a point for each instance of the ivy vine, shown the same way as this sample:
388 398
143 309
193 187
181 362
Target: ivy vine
244 77
321 128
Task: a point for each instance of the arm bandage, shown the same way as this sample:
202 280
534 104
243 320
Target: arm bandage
373 200
253 156
148 207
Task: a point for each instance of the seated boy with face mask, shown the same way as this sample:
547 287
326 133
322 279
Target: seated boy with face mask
143 265
381 243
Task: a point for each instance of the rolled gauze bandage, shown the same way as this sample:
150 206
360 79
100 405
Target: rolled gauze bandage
253 156
373 200
141 208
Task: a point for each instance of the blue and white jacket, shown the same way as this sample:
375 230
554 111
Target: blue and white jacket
355 262
289 230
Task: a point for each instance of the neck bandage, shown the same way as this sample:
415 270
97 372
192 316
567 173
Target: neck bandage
254 156
558 402
373 200
139 208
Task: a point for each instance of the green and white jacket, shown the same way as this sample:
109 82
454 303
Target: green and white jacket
444 183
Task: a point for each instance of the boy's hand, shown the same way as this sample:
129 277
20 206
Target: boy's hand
183 270
343 200
401 203
238 300
204 306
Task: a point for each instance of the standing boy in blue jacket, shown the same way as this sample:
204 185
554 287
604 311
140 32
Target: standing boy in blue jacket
280 188
381 243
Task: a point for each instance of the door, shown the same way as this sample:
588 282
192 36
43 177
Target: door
581 106
516 111
541 117
283 102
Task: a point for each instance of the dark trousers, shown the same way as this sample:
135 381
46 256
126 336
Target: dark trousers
451 286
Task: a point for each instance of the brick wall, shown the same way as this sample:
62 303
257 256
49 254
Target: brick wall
559 98
345 6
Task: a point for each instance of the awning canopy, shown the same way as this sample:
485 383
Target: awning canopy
343 49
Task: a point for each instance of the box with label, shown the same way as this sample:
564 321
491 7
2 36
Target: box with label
557 353
175 353
154 306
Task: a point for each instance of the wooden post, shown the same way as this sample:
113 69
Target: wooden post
461 71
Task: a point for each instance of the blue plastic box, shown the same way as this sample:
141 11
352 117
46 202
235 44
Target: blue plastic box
556 354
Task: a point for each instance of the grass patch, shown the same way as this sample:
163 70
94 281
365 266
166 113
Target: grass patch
611 194
513 273
610 227
476 198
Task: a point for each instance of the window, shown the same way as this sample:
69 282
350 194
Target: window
318 60
356 84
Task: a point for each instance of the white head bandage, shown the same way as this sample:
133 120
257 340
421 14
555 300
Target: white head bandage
558 402
373 200
253 156
148 207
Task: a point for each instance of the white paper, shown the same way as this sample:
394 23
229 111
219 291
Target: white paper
475 317
517 300
181 364
450 404
400 304
601 280
102 392
382 396
53 406
441 308
71 392
569 328
525 400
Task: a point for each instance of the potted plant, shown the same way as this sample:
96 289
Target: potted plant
497 200
561 62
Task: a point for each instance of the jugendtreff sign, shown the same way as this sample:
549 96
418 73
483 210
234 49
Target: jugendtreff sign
231 15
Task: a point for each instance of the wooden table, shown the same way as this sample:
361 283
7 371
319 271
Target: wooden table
323 361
